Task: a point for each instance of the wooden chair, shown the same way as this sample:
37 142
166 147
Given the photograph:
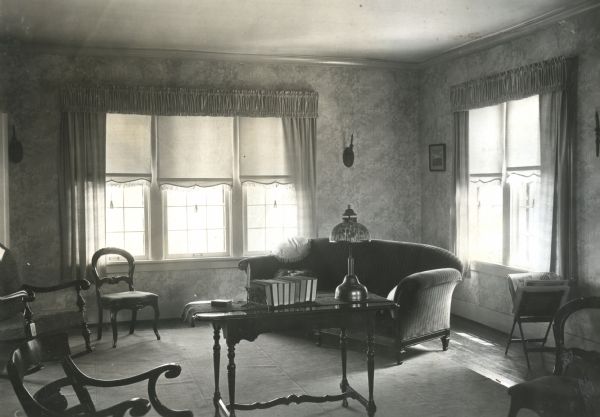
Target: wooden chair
48 401
574 388
126 300
536 296
43 310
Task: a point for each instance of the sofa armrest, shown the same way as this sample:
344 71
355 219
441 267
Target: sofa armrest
421 280
260 267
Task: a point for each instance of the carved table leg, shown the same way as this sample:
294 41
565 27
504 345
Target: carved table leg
344 383
231 376
371 408
216 365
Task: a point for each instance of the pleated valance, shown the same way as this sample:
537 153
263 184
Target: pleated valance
190 101
550 75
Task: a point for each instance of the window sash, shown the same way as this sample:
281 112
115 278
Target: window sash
156 203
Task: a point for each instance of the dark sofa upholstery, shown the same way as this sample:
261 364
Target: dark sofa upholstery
419 278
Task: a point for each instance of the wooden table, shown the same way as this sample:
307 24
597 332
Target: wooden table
242 321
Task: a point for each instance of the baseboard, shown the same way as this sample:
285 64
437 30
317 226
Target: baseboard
485 316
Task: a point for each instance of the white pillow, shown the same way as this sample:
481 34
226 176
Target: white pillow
294 249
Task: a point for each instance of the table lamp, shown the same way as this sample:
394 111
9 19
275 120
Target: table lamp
350 231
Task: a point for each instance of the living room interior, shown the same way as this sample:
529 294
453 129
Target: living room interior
385 75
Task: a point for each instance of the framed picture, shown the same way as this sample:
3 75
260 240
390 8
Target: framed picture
437 157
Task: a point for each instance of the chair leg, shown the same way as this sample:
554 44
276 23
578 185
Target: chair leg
133 320
524 343
512 330
113 324
156 316
85 332
445 342
100 320
546 335
399 353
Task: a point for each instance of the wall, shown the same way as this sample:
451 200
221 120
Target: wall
378 105
485 296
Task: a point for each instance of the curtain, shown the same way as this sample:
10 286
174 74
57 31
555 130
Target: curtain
300 137
557 191
81 190
554 215
460 215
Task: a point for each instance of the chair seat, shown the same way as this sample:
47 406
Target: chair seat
128 296
12 328
557 395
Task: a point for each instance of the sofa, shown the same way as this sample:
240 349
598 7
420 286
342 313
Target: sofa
419 278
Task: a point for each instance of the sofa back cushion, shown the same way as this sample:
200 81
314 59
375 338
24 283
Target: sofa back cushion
379 264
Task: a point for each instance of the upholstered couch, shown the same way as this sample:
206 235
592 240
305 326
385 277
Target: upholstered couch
419 278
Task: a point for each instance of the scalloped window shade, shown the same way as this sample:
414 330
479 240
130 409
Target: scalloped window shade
128 146
261 140
195 150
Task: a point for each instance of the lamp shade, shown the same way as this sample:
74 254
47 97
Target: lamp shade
349 230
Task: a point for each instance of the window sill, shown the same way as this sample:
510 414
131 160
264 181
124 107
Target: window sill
494 269
186 264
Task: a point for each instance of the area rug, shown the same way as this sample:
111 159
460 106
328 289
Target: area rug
429 384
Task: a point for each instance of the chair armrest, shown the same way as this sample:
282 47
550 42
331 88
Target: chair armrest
19 296
170 370
79 284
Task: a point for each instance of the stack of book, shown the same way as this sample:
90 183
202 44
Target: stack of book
283 291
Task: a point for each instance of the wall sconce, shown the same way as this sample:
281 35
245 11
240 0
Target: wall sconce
348 154
597 134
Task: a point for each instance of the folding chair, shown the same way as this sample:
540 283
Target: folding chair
536 296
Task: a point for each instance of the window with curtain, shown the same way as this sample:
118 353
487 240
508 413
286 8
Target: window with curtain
191 185
504 182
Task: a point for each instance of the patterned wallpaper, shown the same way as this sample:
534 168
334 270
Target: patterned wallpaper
579 36
378 105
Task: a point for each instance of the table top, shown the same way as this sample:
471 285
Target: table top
325 303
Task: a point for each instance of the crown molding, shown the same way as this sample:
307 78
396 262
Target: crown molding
467 48
512 32
57 49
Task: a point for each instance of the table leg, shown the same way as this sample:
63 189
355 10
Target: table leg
231 376
371 408
216 365
344 383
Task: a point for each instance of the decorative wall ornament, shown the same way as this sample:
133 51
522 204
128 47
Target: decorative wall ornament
15 148
437 157
348 154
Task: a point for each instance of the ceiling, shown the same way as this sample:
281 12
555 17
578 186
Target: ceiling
395 31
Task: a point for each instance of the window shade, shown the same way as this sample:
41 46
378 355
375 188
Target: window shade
485 140
523 132
128 146
262 150
195 150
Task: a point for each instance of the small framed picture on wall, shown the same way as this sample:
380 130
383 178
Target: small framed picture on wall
437 157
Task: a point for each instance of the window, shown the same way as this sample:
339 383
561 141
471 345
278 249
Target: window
197 186
504 181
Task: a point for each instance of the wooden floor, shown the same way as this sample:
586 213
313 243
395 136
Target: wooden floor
480 349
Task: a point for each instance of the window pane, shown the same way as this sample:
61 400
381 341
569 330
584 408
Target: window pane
256 240
486 132
134 219
196 210
256 216
126 216
134 243
524 226
523 132
271 217
485 219
178 242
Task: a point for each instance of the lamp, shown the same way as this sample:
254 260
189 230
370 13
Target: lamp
350 231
